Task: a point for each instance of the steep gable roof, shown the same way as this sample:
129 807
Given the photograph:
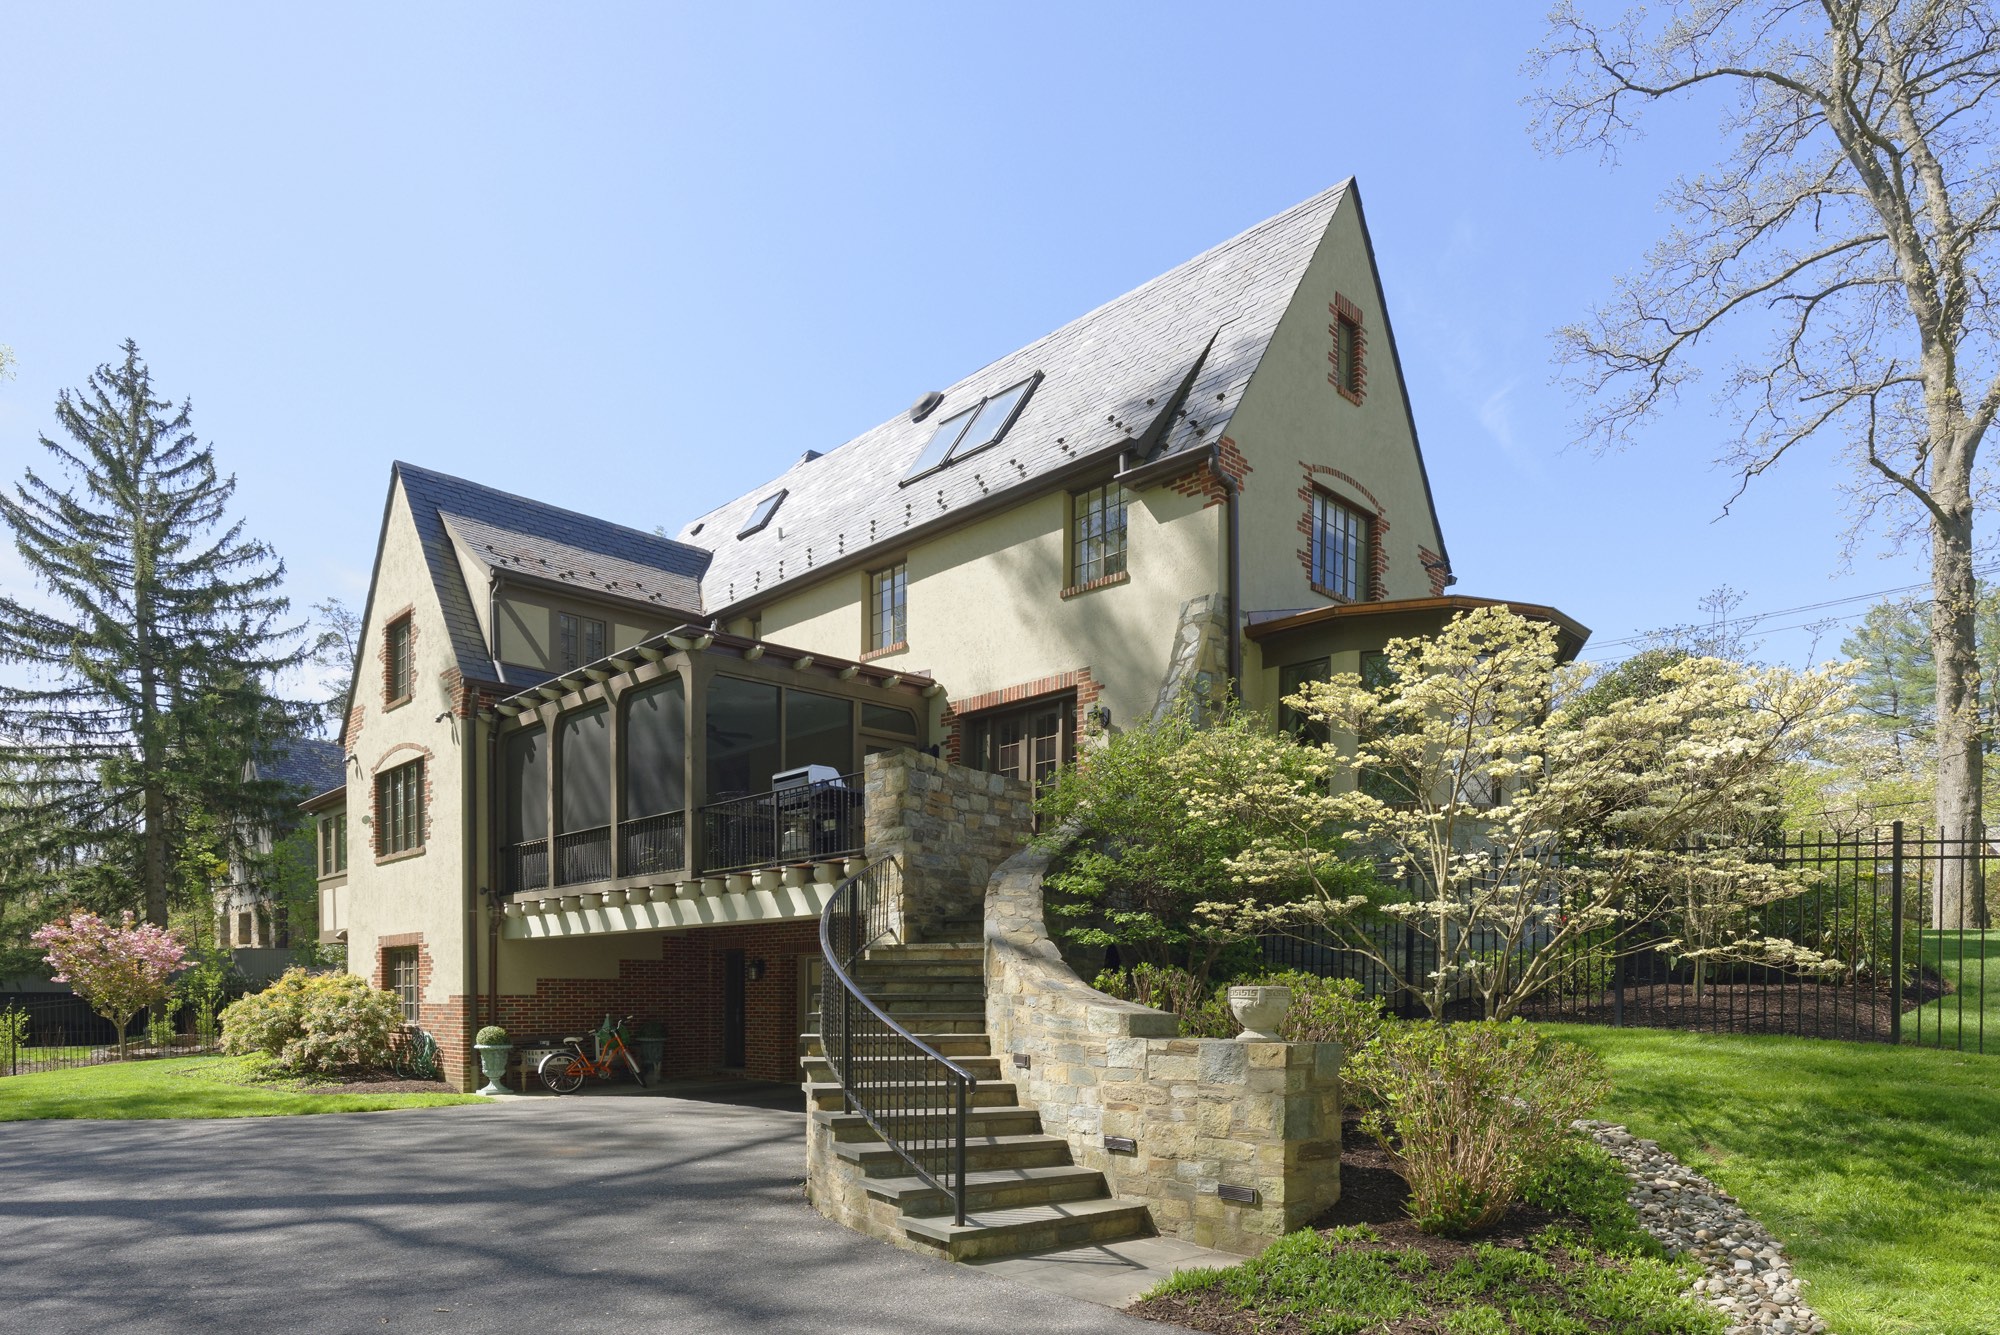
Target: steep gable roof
1107 379
309 764
588 570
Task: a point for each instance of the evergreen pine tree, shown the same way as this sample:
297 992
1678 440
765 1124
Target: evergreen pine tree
150 658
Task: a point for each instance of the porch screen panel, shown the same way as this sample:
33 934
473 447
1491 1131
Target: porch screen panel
527 786
819 730
655 749
585 778
743 740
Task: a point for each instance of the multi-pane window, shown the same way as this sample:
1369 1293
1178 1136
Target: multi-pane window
1028 744
246 929
1350 350
333 844
1098 522
399 809
579 640
1291 680
888 615
399 974
1339 548
399 660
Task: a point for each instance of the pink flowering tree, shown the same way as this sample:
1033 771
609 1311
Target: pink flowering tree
120 970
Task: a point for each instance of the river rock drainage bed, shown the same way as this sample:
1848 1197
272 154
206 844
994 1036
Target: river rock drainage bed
1748 1278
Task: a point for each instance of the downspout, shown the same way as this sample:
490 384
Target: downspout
1233 496
493 893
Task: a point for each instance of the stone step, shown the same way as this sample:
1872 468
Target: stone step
938 1124
982 1154
967 950
879 990
983 1094
896 971
820 1070
1031 1228
953 1044
993 1189
923 1016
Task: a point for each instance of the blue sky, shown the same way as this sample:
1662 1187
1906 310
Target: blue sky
634 259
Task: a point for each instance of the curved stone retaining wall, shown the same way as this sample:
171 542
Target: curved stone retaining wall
1204 1114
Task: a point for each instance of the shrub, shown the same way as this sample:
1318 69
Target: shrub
1327 1010
492 1036
13 1030
1472 1112
314 1023
1195 1002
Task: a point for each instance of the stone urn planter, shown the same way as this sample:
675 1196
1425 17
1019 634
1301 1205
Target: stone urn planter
651 1040
1259 1010
492 1046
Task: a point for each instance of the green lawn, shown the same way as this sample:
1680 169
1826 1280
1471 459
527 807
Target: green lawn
1877 1166
182 1087
1971 964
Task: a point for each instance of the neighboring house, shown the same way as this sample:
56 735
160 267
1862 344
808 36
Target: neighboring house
250 920
1213 478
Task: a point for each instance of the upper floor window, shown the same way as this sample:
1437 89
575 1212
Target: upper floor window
1340 556
1097 523
399 809
398 672
579 640
333 844
973 429
399 975
1350 347
888 614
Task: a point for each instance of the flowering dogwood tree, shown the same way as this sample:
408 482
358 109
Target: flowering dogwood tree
1521 835
120 970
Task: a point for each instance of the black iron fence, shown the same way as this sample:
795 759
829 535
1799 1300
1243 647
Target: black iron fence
525 866
583 855
652 845
799 823
912 1095
54 1031
1891 946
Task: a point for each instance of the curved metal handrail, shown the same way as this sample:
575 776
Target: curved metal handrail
955 1081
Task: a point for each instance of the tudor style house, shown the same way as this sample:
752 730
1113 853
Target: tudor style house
591 769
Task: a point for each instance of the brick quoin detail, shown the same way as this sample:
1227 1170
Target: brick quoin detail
1377 583
1202 481
405 613
1437 569
396 754
355 717
1087 689
1347 313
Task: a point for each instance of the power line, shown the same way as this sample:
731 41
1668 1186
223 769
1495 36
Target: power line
1752 618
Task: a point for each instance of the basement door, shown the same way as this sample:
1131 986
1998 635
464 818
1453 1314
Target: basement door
733 1009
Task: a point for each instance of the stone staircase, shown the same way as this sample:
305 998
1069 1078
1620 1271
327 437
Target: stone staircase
1024 1193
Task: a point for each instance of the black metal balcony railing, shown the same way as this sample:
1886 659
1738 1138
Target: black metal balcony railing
583 855
651 845
525 866
796 824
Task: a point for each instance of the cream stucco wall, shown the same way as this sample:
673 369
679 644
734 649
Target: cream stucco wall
413 893
986 610
1291 416
527 618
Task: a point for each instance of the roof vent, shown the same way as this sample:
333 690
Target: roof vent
925 406
807 457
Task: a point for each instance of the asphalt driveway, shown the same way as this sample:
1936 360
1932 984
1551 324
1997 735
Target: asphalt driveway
537 1215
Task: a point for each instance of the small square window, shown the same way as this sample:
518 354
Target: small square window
1350 350
888 609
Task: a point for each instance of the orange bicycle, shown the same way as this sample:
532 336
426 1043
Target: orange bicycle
564 1072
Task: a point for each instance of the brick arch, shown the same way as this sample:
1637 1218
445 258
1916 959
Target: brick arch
406 751
1353 490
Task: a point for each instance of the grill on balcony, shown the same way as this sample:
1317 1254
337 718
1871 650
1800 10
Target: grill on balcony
817 814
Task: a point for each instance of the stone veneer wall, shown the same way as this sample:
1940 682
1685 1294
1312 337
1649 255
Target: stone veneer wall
1204 1112
949 826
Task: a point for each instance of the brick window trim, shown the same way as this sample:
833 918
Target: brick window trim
1202 481
1437 569
380 980
1101 582
402 753
1376 577
899 647
958 712
405 615
1345 312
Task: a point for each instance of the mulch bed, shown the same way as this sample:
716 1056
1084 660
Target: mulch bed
385 1085
1372 1192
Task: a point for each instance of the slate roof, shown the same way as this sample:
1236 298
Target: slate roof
309 764
552 543
1107 377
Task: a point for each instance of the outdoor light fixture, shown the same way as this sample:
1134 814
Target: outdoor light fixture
755 972
1098 717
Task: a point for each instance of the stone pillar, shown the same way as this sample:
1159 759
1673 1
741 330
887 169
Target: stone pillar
950 827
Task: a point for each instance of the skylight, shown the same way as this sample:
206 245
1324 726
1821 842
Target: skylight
973 429
761 515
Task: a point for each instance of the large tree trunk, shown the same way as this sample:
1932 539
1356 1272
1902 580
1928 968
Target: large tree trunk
1960 897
